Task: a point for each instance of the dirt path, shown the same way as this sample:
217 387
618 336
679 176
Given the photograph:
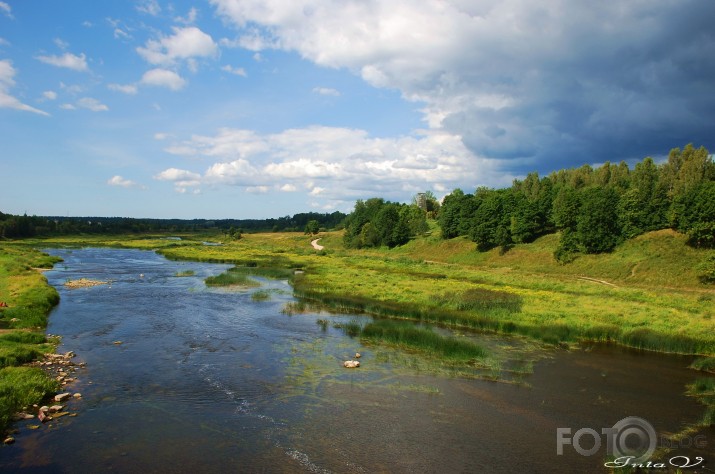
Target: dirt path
316 245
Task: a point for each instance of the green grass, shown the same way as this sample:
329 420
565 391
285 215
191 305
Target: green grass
185 273
706 364
21 387
261 295
30 299
421 339
645 294
231 278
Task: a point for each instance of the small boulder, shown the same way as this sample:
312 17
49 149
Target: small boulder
62 397
351 364
77 395
56 408
357 355
9 440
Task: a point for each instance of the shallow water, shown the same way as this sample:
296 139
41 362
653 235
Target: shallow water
208 380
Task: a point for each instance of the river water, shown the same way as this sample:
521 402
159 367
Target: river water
211 380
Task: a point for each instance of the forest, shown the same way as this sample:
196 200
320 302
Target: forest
594 209
13 227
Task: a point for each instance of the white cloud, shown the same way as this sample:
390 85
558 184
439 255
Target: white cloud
5 8
68 107
60 43
4 42
50 95
7 81
150 7
92 104
239 71
189 18
67 60
163 78
183 180
518 80
121 34
258 189
161 136
129 89
184 44
326 91
124 183
335 163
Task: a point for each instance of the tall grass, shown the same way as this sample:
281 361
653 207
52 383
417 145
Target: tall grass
230 278
20 387
422 339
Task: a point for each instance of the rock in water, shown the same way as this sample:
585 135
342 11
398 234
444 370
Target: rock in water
62 397
351 364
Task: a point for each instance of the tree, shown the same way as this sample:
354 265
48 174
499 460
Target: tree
312 227
597 223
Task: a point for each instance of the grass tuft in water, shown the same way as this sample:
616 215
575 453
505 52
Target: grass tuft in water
706 364
185 273
425 340
230 278
261 295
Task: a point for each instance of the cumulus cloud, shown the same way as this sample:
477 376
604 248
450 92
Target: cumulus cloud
163 78
534 84
333 164
186 43
183 180
50 95
124 183
67 60
7 81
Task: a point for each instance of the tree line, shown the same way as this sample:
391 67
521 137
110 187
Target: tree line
593 208
14 227
376 222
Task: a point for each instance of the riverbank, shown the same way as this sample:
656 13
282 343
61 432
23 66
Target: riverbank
644 295
26 299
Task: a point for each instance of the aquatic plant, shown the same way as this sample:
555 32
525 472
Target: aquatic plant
420 338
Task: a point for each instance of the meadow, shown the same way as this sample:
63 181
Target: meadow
645 294
29 300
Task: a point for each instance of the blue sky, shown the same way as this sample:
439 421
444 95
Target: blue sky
263 108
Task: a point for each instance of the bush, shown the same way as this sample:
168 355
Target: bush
706 269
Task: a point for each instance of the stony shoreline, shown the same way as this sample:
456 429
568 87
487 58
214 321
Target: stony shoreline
61 368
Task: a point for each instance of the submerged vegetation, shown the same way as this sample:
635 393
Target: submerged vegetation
231 278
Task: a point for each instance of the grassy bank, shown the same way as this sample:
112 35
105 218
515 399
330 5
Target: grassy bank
29 299
645 294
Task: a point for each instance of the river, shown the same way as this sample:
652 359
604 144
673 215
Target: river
185 378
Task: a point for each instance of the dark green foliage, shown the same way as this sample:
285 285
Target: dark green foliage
24 337
376 222
597 223
706 269
15 227
595 209
312 227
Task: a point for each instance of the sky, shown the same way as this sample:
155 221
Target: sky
265 108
